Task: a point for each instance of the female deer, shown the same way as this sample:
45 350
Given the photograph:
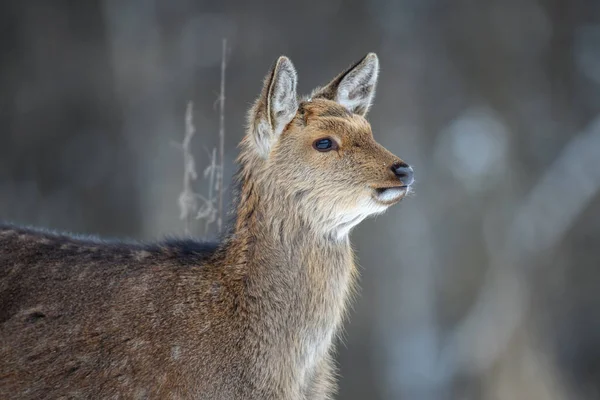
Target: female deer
252 317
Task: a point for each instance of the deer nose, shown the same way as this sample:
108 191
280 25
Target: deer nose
404 172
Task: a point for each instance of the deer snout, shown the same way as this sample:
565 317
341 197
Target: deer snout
403 172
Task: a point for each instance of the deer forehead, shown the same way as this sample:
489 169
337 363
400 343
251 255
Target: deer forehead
324 117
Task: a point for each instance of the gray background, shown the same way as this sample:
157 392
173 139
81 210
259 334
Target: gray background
484 285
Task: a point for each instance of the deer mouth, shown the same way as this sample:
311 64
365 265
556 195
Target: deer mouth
389 195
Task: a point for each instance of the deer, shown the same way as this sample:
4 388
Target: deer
253 316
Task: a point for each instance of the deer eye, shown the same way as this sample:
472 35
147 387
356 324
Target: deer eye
325 144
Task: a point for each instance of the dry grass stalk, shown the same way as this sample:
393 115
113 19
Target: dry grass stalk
221 137
193 205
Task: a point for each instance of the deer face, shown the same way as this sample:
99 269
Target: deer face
320 152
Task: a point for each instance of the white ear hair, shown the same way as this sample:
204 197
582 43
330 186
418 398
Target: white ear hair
355 87
276 106
283 100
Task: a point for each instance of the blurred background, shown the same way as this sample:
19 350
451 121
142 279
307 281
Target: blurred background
484 285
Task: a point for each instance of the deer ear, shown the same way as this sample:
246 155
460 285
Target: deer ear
355 87
276 106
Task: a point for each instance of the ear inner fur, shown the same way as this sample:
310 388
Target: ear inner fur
276 106
355 87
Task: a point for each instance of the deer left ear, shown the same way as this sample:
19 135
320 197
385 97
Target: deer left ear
275 107
355 87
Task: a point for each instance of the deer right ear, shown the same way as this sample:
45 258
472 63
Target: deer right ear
355 87
276 106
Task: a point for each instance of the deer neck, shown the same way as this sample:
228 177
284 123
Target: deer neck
298 279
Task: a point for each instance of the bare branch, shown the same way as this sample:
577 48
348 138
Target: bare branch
221 138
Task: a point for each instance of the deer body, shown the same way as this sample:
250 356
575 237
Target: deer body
253 317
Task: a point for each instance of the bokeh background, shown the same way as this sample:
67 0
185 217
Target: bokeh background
484 285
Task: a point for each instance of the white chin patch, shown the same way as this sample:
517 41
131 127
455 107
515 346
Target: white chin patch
391 194
366 207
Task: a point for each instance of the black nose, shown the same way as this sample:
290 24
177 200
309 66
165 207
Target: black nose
404 172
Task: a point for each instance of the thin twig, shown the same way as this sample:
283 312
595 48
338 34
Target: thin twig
221 137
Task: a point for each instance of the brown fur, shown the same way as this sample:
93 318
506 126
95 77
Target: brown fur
253 317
